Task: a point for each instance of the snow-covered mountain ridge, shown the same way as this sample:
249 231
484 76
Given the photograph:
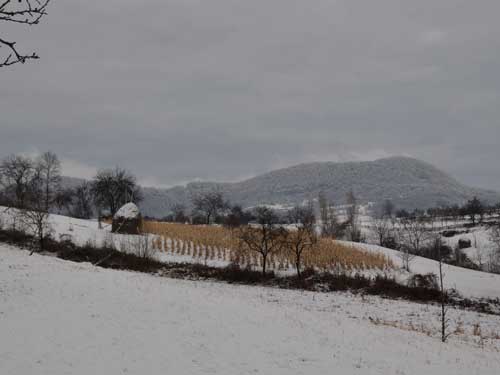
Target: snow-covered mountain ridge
408 182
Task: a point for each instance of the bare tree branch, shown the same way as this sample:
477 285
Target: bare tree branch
27 12
266 237
14 57
23 11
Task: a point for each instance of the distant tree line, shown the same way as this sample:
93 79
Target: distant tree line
419 232
30 186
473 210
32 189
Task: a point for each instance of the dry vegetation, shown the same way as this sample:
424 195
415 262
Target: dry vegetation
218 243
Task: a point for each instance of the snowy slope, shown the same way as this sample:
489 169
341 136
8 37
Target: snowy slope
482 251
468 282
60 317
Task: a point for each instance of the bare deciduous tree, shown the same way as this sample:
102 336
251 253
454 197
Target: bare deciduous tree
49 172
26 12
330 226
474 208
237 217
352 212
16 173
417 232
388 208
494 258
82 207
323 206
63 200
32 186
477 244
383 229
112 188
414 233
34 216
179 213
266 237
437 244
304 237
209 204
406 258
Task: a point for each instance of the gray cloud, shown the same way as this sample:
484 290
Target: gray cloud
183 89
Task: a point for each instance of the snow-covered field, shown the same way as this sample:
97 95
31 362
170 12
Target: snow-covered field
482 250
59 317
469 283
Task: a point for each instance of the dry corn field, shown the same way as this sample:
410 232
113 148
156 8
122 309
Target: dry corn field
217 243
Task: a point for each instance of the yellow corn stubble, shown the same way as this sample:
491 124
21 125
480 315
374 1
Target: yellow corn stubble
218 243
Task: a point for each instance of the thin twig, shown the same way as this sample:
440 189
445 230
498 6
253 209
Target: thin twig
21 13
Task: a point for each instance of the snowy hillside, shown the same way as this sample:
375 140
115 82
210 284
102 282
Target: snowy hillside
58 317
469 283
482 250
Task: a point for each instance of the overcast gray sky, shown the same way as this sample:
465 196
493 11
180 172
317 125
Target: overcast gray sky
177 90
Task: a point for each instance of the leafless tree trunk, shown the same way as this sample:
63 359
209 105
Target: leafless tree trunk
444 296
479 251
36 221
34 217
33 185
16 173
494 261
414 233
112 188
99 217
304 237
210 204
323 207
406 258
383 230
82 201
49 170
387 209
266 237
330 226
352 217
